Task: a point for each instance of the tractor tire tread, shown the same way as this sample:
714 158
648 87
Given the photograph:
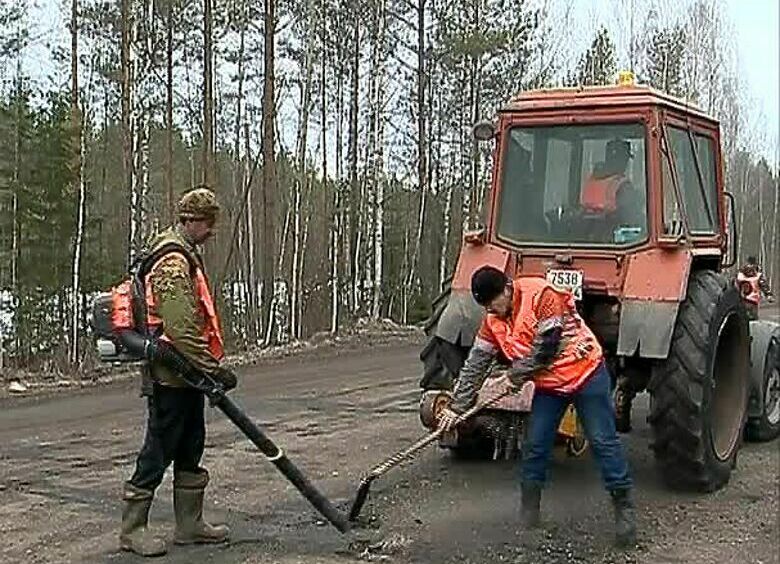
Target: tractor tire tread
677 390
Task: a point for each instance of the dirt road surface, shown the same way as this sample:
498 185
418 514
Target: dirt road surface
63 459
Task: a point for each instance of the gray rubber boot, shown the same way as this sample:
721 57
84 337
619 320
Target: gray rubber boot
134 535
531 499
188 491
625 518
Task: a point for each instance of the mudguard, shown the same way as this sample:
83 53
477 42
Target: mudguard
459 320
761 335
655 285
647 327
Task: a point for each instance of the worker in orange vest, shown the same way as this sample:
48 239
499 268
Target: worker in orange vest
609 192
752 285
181 311
535 326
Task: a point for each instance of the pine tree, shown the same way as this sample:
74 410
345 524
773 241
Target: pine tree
665 58
597 65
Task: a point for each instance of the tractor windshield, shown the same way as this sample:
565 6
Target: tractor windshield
574 184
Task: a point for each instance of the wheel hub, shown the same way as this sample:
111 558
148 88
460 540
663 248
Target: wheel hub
729 389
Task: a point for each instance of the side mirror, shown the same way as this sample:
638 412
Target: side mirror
483 130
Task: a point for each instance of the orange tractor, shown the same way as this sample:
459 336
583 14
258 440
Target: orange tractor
617 193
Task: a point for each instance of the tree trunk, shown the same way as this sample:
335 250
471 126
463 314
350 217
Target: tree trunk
476 86
468 188
169 111
142 119
351 229
332 241
128 129
338 212
78 182
208 98
377 169
269 165
239 183
367 212
300 181
412 280
446 236
255 323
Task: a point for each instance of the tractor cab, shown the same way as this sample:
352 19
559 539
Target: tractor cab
599 174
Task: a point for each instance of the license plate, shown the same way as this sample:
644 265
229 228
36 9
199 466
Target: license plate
567 280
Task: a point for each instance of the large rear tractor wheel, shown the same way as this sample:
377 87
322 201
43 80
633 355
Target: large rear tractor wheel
699 393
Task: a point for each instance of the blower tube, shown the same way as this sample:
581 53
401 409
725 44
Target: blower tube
163 352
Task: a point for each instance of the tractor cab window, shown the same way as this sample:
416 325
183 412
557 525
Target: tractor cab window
699 195
580 184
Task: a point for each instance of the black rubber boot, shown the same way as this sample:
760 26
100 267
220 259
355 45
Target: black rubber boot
623 400
134 535
188 490
531 499
625 518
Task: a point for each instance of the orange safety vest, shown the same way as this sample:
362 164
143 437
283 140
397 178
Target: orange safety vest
122 313
754 294
572 367
599 195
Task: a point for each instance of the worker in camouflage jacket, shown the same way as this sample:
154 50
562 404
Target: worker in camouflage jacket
180 310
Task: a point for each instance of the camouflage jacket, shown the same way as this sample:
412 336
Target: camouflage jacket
176 304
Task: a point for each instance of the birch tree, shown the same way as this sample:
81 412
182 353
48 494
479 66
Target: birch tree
665 57
128 125
375 156
77 149
598 64
208 97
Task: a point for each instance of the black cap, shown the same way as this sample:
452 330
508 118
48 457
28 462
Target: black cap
487 283
618 148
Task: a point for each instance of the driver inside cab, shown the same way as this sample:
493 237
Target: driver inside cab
608 194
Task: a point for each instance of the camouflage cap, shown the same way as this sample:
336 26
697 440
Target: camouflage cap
198 203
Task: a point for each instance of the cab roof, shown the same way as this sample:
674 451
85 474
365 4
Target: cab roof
589 97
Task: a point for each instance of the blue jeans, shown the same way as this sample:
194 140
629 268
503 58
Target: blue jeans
597 414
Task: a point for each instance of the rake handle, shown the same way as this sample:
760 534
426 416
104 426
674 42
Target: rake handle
399 457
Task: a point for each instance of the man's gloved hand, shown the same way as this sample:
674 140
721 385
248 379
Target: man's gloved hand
448 419
521 372
226 377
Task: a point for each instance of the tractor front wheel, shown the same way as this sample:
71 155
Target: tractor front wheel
699 392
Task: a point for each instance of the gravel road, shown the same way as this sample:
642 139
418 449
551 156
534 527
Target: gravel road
337 413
